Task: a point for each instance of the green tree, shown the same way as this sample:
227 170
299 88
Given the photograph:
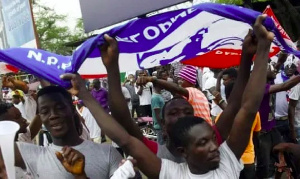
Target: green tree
237 2
52 31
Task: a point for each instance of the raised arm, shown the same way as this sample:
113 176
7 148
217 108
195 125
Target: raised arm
226 119
254 91
117 102
147 161
35 126
281 59
293 81
172 87
18 84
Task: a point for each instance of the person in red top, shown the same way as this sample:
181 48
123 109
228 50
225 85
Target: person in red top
176 108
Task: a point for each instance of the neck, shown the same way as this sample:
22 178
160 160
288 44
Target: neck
196 170
172 148
68 140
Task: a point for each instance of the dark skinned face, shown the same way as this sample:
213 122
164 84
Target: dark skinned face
174 110
227 80
201 154
13 114
56 114
290 70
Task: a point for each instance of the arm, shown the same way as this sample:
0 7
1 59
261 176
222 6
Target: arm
2 167
158 116
218 100
226 120
140 91
18 84
147 161
172 87
19 162
281 59
117 102
291 116
285 86
35 126
218 85
288 147
254 91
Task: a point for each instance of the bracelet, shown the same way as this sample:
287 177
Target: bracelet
221 101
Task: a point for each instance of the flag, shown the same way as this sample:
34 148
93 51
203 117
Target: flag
268 11
205 35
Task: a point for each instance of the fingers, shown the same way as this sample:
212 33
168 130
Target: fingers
260 19
59 156
109 39
68 76
76 157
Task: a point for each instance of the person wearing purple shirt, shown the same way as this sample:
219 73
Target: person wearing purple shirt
269 135
101 95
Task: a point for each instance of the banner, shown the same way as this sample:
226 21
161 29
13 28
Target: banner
284 35
205 35
18 23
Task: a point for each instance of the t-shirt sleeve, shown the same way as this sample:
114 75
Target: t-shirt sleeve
29 153
114 160
126 92
230 166
151 145
169 170
257 126
191 94
295 93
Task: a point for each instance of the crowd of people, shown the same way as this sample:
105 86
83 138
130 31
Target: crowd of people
241 122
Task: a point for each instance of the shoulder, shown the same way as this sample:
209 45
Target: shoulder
229 162
170 169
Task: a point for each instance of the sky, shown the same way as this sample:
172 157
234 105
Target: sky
71 8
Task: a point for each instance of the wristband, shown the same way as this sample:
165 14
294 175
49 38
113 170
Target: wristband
221 101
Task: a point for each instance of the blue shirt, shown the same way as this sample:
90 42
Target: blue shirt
157 102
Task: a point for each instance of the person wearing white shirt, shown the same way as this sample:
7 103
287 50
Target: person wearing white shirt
91 124
127 97
282 98
210 85
193 138
294 113
144 93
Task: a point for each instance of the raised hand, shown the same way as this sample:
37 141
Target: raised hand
72 160
142 81
262 34
109 51
6 82
78 84
250 44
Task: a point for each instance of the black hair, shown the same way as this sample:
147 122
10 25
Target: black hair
179 134
228 89
68 97
16 96
4 107
167 103
231 72
160 72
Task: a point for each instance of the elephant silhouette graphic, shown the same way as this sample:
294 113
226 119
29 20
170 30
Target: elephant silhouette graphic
186 49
